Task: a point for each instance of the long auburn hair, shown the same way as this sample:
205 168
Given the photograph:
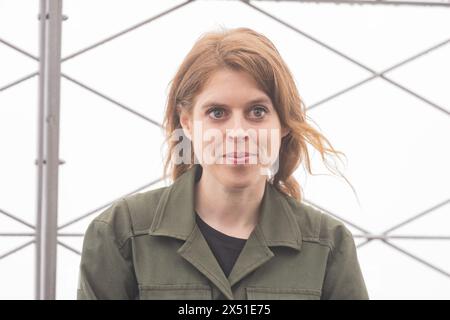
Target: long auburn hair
243 49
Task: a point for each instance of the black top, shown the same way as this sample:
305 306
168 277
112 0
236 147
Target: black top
225 248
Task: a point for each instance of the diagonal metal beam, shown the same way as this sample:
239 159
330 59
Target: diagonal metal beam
9 44
393 67
341 92
16 82
11 216
62 244
304 34
338 217
346 57
384 240
8 253
375 75
78 83
140 24
417 55
411 92
65 225
81 85
406 237
374 2
409 220
409 254
89 47
29 55
113 101
362 244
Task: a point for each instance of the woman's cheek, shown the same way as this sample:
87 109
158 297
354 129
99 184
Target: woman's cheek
270 148
209 149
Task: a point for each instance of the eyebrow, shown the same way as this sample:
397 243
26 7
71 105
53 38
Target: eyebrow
218 104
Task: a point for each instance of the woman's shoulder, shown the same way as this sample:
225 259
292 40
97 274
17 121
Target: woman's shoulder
318 226
130 215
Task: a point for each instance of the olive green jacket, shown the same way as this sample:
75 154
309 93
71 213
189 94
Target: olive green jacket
148 246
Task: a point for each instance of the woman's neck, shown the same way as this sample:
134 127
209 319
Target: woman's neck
232 211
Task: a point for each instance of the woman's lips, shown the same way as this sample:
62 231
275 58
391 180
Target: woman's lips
239 157
238 154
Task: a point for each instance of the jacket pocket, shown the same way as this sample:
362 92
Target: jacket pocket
264 293
175 292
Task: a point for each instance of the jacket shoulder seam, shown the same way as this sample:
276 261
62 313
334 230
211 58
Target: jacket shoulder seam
120 243
320 241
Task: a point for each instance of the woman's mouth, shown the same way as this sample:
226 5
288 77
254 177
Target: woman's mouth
239 157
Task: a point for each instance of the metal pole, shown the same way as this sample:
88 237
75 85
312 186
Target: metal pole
39 161
48 147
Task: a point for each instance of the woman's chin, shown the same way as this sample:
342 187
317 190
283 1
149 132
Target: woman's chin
238 176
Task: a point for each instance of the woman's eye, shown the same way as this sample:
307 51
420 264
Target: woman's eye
259 112
216 113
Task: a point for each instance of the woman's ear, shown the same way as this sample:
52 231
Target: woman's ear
186 122
284 132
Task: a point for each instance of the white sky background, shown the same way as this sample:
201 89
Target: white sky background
397 146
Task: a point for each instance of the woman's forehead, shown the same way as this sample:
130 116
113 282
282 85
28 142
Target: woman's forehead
227 77
232 99
230 89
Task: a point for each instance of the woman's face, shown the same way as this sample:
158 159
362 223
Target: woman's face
235 130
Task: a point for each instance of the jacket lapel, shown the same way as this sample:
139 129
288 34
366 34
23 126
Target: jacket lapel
276 227
175 217
196 250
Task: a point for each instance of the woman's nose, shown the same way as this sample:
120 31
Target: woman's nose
238 131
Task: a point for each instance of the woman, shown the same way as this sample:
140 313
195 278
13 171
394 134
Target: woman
232 224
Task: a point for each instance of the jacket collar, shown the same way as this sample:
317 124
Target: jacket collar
175 213
175 217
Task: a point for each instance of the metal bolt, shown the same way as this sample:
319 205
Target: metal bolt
45 161
47 16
